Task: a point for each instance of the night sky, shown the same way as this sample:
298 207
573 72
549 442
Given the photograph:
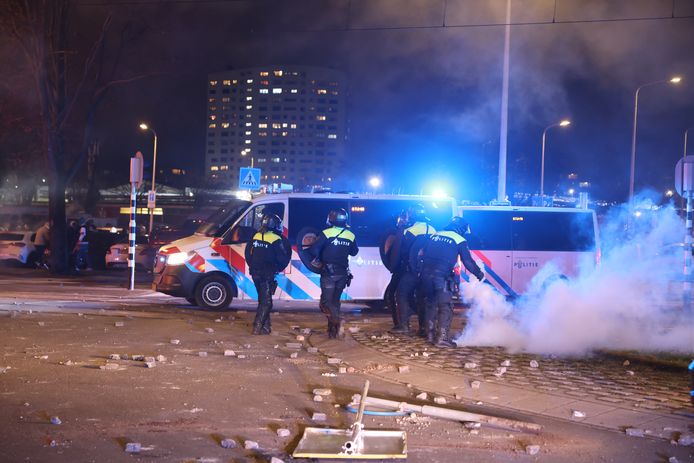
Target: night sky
424 100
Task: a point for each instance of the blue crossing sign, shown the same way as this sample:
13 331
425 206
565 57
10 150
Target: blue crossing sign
249 178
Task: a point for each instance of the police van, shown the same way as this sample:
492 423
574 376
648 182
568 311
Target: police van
209 268
512 244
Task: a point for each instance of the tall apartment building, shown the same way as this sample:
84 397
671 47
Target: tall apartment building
289 121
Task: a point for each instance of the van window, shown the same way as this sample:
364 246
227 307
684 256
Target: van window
553 231
310 212
221 220
253 218
490 230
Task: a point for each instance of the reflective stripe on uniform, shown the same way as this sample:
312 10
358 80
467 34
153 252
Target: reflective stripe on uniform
420 228
268 237
343 232
452 235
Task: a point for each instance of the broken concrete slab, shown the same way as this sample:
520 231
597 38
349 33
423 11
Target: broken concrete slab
133 447
322 392
202 354
228 443
440 400
334 361
229 353
161 358
114 357
312 350
55 420
250 445
283 432
319 416
109 366
404 369
294 355
293 345
634 432
532 449
422 396
175 341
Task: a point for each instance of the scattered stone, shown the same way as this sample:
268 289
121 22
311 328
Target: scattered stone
161 358
241 356
328 374
150 359
318 398
42 324
532 449
626 363
124 357
209 330
323 392
294 355
506 363
440 400
280 371
306 331
175 341
109 366
229 353
458 396
55 420
354 329
634 432
500 372
472 425
250 445
534 364
342 370
425 354
422 396
319 417
276 460
475 384
673 460
202 354
685 439
114 357
150 364
334 361
4 369
293 345
247 346
300 338
351 370
139 358
404 369
283 432
52 444
312 350
578 414
119 324
133 447
470 365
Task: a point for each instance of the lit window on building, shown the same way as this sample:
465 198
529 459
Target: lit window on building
264 82
211 100
263 90
234 82
285 125
248 124
320 118
225 125
249 106
276 90
262 125
212 117
292 126
264 73
248 142
214 168
262 134
261 160
278 73
276 125
284 134
334 92
275 159
178 171
249 98
248 132
226 99
225 167
212 125
332 136
294 90
213 108
213 82
249 81
321 91
226 82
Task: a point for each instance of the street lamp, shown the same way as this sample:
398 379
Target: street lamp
673 80
375 182
562 123
145 127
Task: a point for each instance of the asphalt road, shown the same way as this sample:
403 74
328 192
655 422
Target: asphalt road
58 333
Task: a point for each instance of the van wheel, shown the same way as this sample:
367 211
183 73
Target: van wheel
213 292
191 301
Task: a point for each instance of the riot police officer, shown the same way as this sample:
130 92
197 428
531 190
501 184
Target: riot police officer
391 254
413 238
439 257
267 254
332 249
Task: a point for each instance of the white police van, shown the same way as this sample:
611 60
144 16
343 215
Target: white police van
209 268
511 244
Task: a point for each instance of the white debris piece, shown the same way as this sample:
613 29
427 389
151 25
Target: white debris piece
630 373
150 364
175 341
323 392
673 460
634 432
532 449
228 443
202 354
209 330
161 358
55 420
472 425
109 366
114 357
42 324
150 359
470 365
300 338
578 414
229 353
4 369
440 400
133 447
319 417
276 460
333 361
425 354
354 329
534 364
403 369
283 432
119 324
422 396
312 350
318 398
294 355
500 372
250 445
139 358
626 363
293 345
685 439
506 363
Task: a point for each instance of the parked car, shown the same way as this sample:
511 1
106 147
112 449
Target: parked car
18 247
117 254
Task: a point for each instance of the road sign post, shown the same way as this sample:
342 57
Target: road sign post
249 178
684 184
136 164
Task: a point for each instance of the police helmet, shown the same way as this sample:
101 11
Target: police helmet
271 222
337 218
459 225
401 220
417 213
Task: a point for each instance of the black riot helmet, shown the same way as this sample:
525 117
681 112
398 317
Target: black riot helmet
459 225
337 218
401 220
416 213
271 222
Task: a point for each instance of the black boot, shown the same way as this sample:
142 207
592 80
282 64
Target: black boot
402 328
431 331
332 330
442 339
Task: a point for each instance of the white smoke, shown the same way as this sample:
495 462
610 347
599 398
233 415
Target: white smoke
631 300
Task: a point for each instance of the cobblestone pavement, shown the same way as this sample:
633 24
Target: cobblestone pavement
597 379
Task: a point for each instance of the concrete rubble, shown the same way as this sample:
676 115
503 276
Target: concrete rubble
276 460
133 447
319 416
175 341
534 364
312 350
634 432
294 355
250 445
475 384
229 353
470 365
55 420
209 330
293 345
283 432
403 369
532 449
202 354
440 400
422 396
578 414
322 392
333 361
228 443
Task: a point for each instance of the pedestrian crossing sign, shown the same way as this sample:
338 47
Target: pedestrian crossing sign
249 178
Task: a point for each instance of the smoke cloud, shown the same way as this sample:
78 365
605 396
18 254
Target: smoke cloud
631 300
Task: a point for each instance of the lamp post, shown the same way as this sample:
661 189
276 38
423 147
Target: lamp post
145 127
375 182
673 80
562 123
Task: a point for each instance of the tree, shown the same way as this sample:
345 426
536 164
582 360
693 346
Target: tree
68 105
